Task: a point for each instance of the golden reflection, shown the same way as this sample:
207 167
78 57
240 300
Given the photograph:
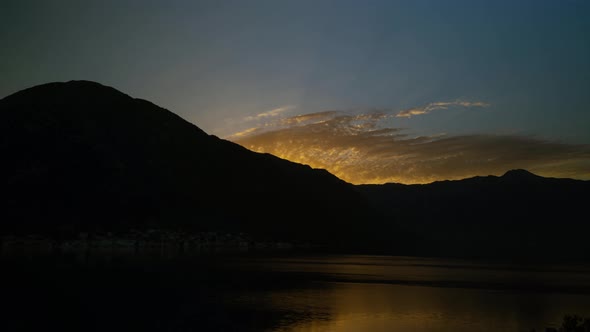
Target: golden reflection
353 307
384 293
367 293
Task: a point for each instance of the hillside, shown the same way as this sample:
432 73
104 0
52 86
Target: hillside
517 214
82 156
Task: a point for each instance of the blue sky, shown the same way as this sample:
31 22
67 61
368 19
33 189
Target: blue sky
217 63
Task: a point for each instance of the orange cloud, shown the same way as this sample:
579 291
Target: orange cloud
361 149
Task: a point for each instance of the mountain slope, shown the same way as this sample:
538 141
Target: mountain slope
80 155
517 214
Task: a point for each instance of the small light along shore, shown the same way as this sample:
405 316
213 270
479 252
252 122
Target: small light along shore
152 241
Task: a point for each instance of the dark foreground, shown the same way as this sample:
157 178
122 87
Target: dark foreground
285 291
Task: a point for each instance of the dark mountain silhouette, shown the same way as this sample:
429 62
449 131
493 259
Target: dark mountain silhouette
82 156
518 214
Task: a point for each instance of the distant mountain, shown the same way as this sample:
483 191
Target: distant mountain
83 156
518 214
80 156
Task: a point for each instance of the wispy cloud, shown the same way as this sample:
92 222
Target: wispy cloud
362 148
244 132
441 105
271 113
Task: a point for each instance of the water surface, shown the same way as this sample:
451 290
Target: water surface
380 293
288 292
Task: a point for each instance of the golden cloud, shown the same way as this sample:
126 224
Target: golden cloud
360 149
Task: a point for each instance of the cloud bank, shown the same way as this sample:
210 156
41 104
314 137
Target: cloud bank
360 149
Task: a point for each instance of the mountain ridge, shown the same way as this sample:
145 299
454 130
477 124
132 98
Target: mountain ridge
518 214
142 166
518 174
81 156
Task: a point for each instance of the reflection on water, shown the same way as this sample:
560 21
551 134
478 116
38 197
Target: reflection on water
368 293
378 307
245 292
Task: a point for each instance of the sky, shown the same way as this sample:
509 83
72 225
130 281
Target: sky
374 91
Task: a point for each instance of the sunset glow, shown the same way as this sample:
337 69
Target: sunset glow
367 148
